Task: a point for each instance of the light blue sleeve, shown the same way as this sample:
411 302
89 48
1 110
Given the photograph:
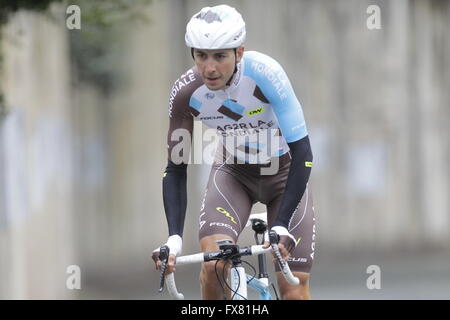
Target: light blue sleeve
276 87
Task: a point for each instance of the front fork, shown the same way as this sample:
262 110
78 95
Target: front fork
238 282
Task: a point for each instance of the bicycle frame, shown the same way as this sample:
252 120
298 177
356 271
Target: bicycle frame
240 281
258 222
261 285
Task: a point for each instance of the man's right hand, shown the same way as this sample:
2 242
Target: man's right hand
170 264
175 244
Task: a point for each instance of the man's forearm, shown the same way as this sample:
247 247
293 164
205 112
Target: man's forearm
175 196
299 171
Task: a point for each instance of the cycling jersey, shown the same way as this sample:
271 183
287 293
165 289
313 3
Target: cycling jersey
256 115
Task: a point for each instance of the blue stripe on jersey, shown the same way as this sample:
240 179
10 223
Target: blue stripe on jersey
276 87
234 106
255 145
194 103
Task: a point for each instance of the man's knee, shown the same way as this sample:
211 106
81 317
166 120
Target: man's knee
211 269
300 293
295 292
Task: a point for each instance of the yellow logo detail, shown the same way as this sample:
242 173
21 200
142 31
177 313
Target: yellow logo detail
255 111
308 164
226 214
298 241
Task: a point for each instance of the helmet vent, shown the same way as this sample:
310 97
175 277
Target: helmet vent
209 17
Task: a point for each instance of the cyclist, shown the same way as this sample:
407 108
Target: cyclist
243 95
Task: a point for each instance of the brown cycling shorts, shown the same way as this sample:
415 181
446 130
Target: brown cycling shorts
232 190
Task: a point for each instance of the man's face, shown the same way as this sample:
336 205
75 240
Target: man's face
217 66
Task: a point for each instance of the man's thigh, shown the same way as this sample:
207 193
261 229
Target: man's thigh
225 207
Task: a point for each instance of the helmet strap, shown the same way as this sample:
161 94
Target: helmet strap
235 69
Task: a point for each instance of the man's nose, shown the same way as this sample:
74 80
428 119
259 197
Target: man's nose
210 66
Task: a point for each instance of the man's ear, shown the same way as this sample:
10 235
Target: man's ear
239 53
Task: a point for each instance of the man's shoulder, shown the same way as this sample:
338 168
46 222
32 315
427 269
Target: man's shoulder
256 58
261 67
182 90
189 80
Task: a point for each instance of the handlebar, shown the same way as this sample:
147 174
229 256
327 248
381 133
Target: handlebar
224 254
172 288
218 255
204 257
274 239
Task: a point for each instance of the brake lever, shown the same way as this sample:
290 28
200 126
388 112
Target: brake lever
274 239
164 257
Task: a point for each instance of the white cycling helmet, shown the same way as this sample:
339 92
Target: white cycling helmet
219 27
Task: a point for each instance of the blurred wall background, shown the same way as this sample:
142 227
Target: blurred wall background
36 160
81 161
